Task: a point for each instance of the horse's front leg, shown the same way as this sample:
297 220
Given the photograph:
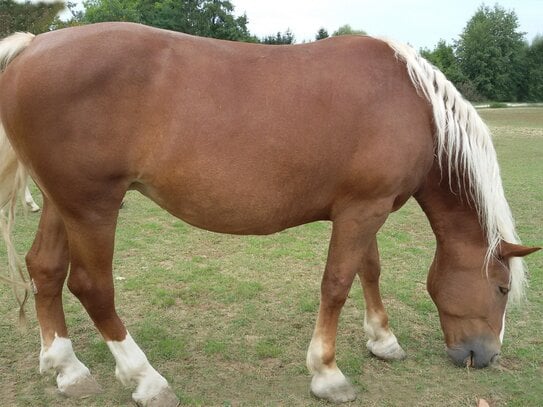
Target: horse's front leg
47 263
91 281
382 342
352 237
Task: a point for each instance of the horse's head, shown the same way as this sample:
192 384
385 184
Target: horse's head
472 300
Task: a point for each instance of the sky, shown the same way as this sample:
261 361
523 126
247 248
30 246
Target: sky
421 23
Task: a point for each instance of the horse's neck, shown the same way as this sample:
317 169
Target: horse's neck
453 219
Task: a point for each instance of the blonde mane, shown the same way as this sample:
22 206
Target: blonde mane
464 148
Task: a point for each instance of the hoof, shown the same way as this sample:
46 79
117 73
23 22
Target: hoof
388 349
166 398
332 387
84 387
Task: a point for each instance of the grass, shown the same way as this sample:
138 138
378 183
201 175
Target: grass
227 319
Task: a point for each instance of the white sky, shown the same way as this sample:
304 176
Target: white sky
422 23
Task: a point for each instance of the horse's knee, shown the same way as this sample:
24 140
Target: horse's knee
335 288
79 283
46 272
94 292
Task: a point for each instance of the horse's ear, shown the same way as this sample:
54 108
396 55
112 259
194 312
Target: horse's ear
515 250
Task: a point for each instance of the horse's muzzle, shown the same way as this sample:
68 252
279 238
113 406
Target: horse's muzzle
477 353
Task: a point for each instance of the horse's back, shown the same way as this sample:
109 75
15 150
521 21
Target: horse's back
255 137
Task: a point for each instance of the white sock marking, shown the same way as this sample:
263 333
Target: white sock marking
30 201
382 342
60 357
328 381
134 368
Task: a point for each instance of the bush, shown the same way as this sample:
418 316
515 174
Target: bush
497 105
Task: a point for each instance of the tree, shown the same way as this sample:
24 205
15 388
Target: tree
532 84
279 39
348 30
490 53
98 11
321 34
207 18
218 21
76 18
443 57
33 17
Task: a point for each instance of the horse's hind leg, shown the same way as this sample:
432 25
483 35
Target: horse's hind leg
30 201
91 240
382 342
47 263
352 237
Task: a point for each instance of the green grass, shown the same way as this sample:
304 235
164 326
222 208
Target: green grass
227 319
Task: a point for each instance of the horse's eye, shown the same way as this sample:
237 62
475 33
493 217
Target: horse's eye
504 290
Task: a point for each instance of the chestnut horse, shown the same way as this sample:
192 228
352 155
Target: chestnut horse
250 139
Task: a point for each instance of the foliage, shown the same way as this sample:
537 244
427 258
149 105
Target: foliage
348 30
75 20
532 86
497 105
322 34
33 17
280 38
206 18
491 60
490 53
443 58
98 11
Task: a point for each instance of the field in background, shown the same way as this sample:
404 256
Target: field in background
227 319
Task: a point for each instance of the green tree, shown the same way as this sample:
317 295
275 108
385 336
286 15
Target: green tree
75 19
490 53
322 34
348 30
532 84
218 21
280 38
97 11
443 57
33 17
207 18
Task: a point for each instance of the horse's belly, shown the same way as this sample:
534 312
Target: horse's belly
237 210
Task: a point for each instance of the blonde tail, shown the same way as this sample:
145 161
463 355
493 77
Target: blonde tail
13 178
12 183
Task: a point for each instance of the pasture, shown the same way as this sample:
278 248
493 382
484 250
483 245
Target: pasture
227 319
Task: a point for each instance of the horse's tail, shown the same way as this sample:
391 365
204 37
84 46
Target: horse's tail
464 150
12 182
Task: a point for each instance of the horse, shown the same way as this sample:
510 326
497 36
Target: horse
251 139
29 200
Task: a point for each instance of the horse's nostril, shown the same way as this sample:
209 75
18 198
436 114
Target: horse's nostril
474 354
